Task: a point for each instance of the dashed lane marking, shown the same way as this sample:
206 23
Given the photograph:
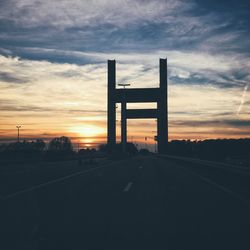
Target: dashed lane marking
127 188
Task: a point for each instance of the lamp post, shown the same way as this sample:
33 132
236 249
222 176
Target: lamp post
123 118
18 127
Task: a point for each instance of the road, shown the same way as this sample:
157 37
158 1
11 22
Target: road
146 202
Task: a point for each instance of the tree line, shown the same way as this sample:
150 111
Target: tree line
211 149
59 147
62 148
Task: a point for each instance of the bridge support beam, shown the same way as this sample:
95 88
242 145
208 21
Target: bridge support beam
111 103
162 106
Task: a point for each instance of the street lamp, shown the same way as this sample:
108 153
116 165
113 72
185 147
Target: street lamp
18 127
123 117
124 85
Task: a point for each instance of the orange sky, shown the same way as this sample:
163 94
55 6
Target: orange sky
51 105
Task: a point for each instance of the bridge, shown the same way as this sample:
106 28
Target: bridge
138 95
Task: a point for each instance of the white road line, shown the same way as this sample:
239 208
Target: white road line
213 164
50 182
223 188
226 190
127 188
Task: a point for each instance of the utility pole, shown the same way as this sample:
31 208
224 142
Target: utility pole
18 127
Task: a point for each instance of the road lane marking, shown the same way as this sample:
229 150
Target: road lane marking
221 165
127 188
219 186
33 188
212 183
223 188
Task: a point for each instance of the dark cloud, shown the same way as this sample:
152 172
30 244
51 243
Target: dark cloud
215 27
12 78
179 29
12 106
227 79
232 7
213 123
226 134
238 123
69 74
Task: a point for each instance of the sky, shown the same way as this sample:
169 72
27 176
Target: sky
53 66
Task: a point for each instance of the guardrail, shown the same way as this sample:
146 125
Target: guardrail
209 163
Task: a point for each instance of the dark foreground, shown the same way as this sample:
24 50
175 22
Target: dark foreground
141 203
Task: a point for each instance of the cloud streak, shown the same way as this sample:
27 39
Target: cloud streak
242 101
65 14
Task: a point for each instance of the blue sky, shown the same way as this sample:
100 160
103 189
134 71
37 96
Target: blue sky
53 62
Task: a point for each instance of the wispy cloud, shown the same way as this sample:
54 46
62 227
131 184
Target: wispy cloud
98 25
12 78
242 101
66 14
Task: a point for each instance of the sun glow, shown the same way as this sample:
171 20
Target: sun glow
88 130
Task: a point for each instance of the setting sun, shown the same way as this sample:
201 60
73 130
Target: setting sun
87 130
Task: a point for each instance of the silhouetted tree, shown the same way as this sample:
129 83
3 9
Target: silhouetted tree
24 151
60 148
39 145
220 149
60 144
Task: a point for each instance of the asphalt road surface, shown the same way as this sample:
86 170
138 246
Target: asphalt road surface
146 202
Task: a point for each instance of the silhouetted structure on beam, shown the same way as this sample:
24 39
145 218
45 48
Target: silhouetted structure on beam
136 95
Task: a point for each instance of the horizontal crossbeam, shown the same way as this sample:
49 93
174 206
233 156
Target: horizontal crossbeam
141 113
137 95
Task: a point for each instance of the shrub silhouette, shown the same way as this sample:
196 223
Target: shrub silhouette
60 144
